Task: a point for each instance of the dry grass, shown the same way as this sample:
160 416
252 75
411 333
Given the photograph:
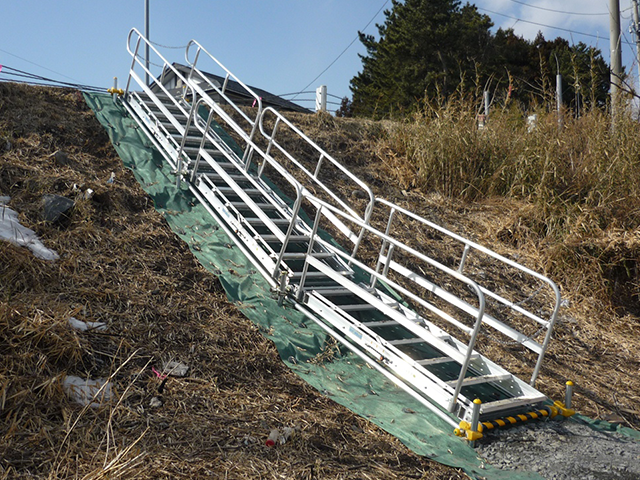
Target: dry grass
120 264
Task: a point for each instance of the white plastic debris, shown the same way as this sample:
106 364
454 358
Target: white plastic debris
84 326
175 369
88 193
112 178
12 231
86 391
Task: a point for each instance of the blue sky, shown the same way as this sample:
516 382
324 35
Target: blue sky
280 46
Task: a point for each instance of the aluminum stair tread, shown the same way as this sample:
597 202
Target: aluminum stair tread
301 256
382 323
292 238
260 206
248 191
407 341
434 361
357 307
258 221
481 379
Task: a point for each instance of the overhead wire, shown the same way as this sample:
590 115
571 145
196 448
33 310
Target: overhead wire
37 65
347 48
14 72
544 25
559 11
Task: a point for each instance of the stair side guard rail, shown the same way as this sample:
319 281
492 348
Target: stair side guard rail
221 91
469 247
266 158
321 211
313 177
166 66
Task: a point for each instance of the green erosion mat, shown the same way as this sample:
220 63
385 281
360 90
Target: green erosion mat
302 344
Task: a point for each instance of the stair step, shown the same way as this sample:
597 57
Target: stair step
434 361
298 275
482 379
383 323
407 341
193 151
261 206
248 191
258 221
301 255
292 238
329 291
235 177
316 275
357 307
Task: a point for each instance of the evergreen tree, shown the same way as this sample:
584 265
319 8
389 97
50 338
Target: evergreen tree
429 48
425 47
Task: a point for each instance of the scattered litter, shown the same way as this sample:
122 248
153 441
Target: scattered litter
112 178
56 207
60 157
408 410
175 369
87 392
88 193
12 231
249 440
273 438
84 326
155 402
158 374
277 436
293 360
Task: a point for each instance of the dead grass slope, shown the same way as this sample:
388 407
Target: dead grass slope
120 264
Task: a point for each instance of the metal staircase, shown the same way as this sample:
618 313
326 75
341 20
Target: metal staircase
392 310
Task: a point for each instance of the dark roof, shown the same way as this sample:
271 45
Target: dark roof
234 87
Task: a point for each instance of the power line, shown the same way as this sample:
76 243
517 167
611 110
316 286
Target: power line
544 25
50 82
559 11
33 63
347 48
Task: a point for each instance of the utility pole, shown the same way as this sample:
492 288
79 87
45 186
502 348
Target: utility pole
636 31
558 93
146 35
616 54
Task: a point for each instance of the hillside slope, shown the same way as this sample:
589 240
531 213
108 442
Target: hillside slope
121 265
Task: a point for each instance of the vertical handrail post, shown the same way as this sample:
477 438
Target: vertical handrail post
312 239
470 347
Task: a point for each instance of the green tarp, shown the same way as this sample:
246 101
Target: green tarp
301 343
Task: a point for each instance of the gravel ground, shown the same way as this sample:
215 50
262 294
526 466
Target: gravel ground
563 450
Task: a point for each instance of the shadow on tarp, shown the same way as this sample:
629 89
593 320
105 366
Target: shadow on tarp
346 379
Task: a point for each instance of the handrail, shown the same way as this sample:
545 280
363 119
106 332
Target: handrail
314 177
323 156
470 245
146 88
322 205
222 91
